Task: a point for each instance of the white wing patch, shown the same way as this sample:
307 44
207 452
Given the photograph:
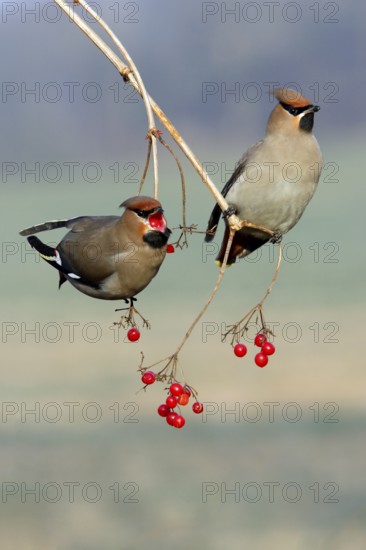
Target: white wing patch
57 258
58 261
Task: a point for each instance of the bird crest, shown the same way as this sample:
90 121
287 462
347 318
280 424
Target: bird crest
291 97
141 203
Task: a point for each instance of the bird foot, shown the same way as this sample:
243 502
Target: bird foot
129 319
229 212
276 237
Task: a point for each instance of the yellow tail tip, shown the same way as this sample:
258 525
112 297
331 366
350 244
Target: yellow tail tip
219 264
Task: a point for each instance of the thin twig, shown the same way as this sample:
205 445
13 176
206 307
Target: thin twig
182 240
183 183
275 275
214 291
146 166
237 329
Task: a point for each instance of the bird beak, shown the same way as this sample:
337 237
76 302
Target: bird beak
314 109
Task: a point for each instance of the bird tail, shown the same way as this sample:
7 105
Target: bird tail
213 223
43 227
52 257
48 253
244 243
232 256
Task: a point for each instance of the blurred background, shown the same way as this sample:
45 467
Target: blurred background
277 460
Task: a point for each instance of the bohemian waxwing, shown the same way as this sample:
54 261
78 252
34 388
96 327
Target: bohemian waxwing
274 179
109 257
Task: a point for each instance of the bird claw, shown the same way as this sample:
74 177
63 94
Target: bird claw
276 237
231 211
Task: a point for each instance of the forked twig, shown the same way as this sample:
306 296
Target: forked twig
167 374
182 241
129 320
239 329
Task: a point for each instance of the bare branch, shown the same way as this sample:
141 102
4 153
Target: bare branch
233 220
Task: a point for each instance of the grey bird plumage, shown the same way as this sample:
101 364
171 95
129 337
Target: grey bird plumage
275 179
108 257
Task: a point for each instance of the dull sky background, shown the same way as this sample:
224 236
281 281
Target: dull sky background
278 458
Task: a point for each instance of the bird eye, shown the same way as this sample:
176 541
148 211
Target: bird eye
142 213
294 111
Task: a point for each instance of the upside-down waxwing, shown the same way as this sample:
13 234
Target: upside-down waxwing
275 179
109 257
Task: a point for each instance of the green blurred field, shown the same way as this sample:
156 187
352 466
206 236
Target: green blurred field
322 381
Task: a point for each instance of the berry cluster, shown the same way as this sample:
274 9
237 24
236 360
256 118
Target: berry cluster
178 396
261 358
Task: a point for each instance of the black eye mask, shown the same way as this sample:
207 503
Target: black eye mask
144 213
295 111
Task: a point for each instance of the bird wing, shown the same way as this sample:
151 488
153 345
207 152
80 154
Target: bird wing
88 250
91 248
89 223
213 222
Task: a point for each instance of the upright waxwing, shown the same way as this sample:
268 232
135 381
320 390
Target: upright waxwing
275 178
109 257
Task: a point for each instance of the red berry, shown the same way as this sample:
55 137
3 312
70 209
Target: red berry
259 340
163 410
170 249
148 377
261 359
187 390
171 418
171 401
156 219
240 350
183 399
133 334
268 348
197 407
176 389
179 421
